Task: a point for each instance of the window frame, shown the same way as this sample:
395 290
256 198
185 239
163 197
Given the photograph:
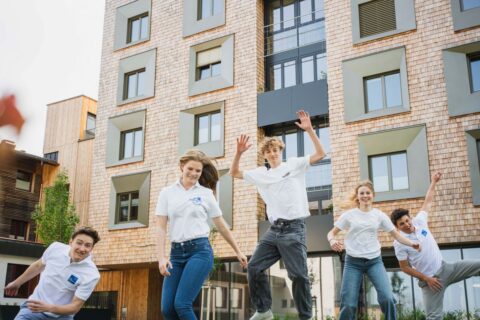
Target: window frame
30 181
473 157
123 15
210 71
464 19
389 169
200 16
15 223
192 25
197 126
130 28
53 156
130 200
126 84
473 57
384 90
122 143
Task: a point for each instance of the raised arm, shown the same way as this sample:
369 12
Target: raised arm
225 232
432 282
427 204
32 271
242 146
163 261
306 124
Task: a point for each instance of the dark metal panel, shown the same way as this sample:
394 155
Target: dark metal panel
21 248
317 229
280 105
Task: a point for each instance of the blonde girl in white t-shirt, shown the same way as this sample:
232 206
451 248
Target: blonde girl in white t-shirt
361 223
188 205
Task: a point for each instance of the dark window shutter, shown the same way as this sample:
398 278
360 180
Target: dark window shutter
376 17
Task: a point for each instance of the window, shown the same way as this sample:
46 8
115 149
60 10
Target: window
136 77
134 84
209 63
473 153
283 75
465 13
314 68
374 19
284 303
132 23
291 24
381 78
24 180
51 156
386 158
469 4
91 119
462 78
236 298
128 206
13 272
203 128
129 199
389 172
138 28
208 8
207 127
131 143
474 68
18 230
383 91
125 138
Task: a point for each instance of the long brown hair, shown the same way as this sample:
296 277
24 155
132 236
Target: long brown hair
209 177
351 201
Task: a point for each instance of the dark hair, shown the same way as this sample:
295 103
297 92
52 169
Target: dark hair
209 175
88 231
397 214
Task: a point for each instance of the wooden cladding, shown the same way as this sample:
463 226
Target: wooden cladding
377 16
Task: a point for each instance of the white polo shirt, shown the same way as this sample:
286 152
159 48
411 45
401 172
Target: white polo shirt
361 240
282 188
189 211
429 260
62 279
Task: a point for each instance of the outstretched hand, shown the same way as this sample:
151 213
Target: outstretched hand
437 176
11 289
305 122
242 143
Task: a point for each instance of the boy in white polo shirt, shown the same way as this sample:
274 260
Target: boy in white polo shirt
67 278
283 189
434 274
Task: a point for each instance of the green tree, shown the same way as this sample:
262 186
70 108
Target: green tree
56 219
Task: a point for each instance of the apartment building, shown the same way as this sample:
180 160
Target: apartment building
392 87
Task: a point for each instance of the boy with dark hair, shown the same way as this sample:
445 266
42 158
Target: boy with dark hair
434 274
67 278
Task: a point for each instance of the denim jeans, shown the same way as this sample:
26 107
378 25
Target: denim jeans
286 240
191 261
27 314
352 278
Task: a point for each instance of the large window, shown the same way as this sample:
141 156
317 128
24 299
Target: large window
208 8
291 24
137 28
13 272
18 230
474 68
131 143
127 206
207 127
389 172
469 4
134 84
473 149
24 180
383 91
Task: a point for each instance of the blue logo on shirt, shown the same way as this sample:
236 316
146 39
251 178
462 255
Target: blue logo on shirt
73 279
424 232
196 200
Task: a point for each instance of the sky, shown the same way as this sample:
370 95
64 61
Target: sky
50 50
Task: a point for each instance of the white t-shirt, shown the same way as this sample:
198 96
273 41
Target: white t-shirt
361 240
62 279
429 260
189 211
282 188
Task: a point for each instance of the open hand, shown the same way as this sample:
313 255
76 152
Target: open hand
437 176
38 306
305 122
242 143
434 284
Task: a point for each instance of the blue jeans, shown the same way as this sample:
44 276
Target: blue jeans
352 278
286 240
27 314
191 261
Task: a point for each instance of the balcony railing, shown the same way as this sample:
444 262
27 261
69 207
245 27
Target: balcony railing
294 33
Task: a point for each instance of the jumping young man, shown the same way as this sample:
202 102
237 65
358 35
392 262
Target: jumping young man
67 278
282 187
434 275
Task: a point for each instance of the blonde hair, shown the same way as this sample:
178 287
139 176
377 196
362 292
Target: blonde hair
209 177
271 142
352 201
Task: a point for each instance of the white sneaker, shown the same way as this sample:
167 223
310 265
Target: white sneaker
267 315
